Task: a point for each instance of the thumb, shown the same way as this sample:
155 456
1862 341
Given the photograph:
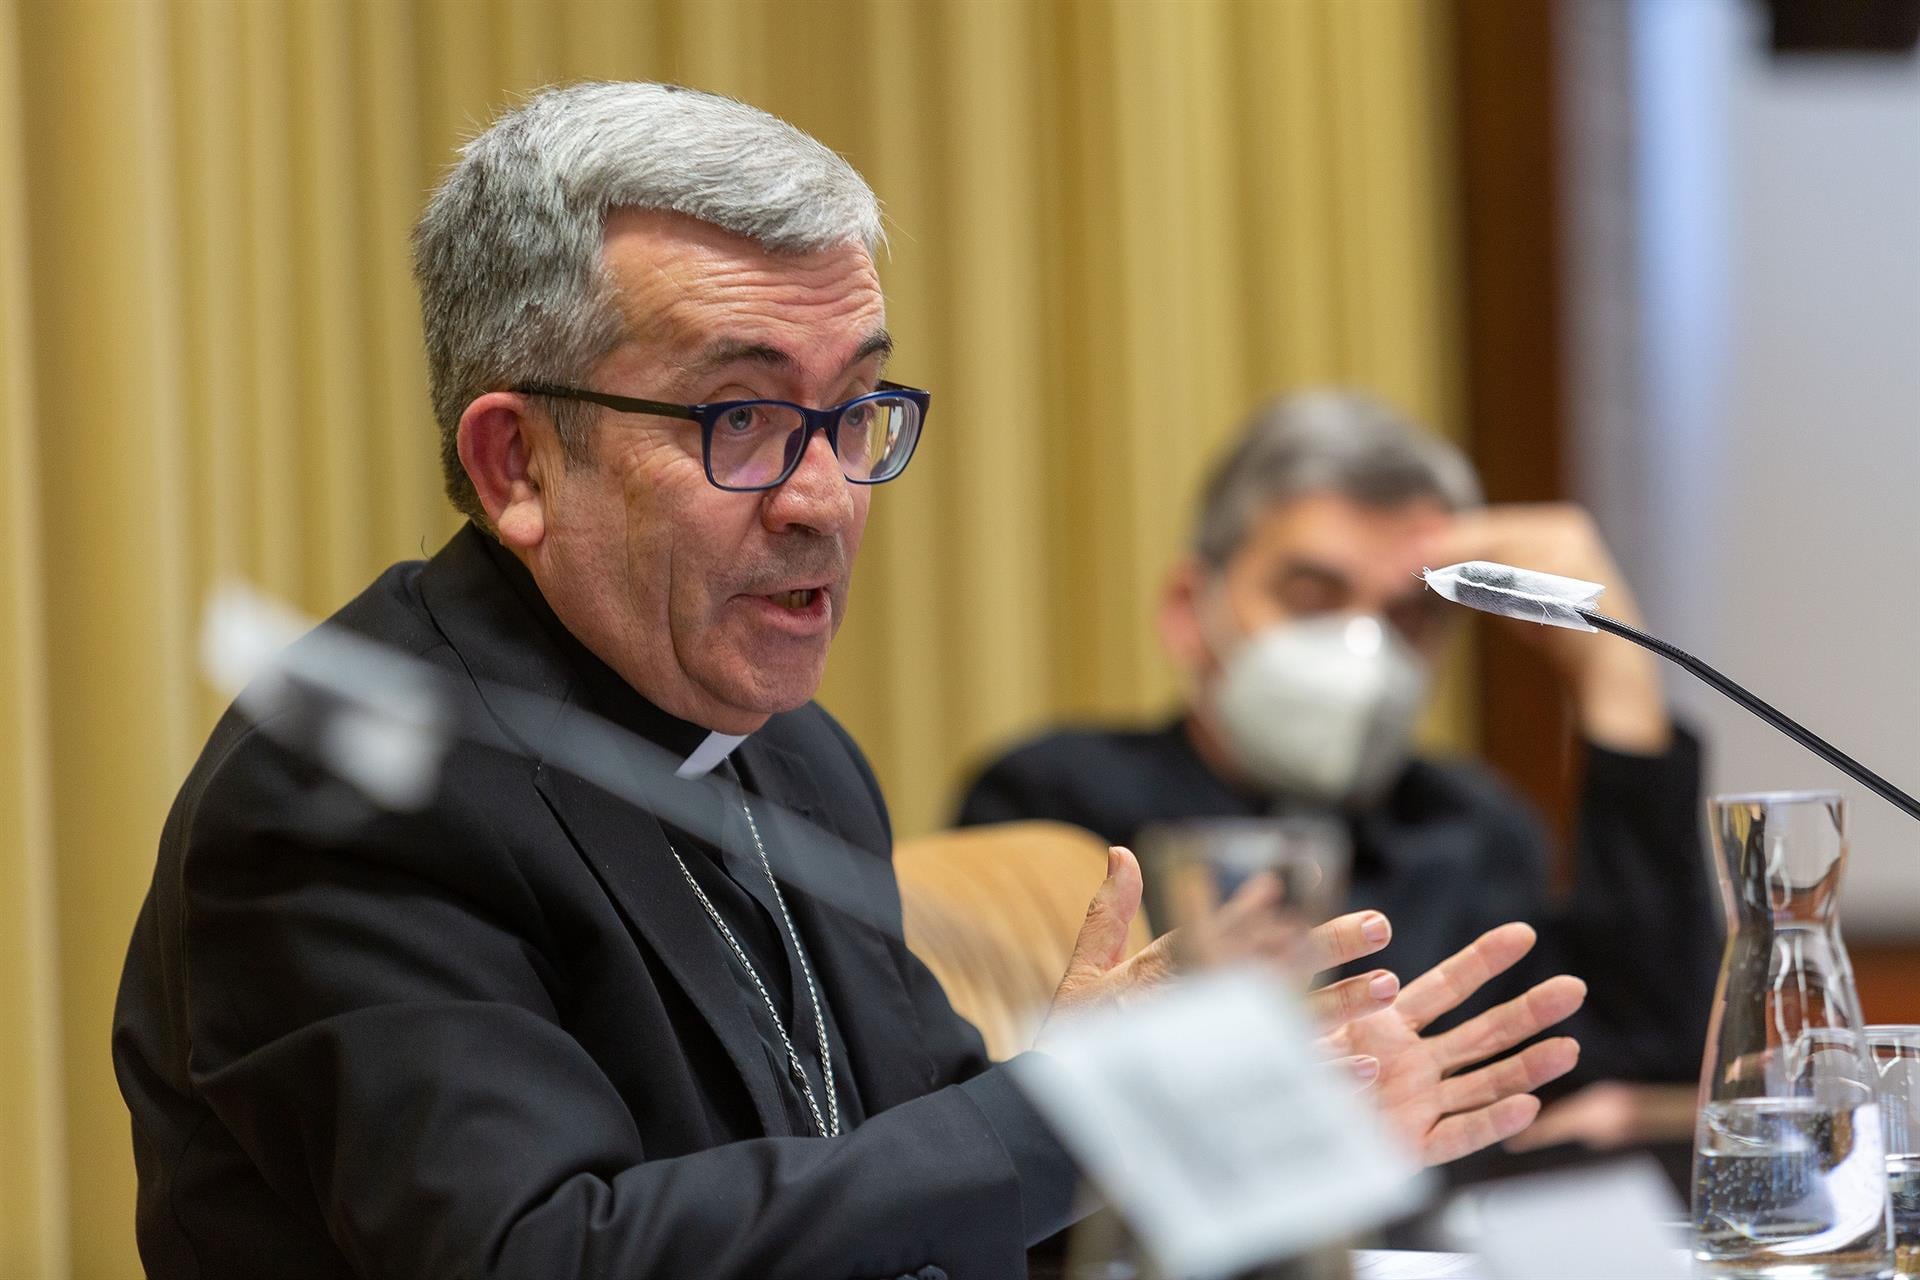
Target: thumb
1103 935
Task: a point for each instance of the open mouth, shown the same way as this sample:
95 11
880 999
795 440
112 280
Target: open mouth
796 600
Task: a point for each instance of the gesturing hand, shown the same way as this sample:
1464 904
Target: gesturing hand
1426 1088
1247 928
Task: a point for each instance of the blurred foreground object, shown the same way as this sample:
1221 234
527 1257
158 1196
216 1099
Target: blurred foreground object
1604 1222
1223 1137
993 913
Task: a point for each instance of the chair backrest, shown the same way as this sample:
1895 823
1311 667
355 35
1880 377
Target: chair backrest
993 912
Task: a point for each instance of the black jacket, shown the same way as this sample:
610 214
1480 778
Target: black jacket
499 1038
1449 854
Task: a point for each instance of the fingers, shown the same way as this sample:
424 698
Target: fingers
1103 935
1447 984
1522 1073
1460 1135
1152 965
1350 1000
1347 938
1506 1025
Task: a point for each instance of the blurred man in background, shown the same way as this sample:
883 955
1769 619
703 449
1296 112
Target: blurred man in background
1305 642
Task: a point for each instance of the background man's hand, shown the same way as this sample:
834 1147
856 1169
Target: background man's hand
1610 1114
1615 684
1428 1088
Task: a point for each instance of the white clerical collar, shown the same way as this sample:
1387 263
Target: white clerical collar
707 756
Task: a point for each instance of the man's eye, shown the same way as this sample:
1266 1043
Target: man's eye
858 416
741 420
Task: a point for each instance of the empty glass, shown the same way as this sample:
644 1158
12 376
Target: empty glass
1193 869
1789 1175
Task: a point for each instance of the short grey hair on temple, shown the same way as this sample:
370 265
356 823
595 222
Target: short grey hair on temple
1325 441
507 254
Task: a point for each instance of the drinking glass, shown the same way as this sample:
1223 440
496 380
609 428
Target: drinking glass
1193 869
1896 1061
1789 1173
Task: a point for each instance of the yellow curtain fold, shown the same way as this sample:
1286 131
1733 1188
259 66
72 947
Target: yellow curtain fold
33 1180
1114 225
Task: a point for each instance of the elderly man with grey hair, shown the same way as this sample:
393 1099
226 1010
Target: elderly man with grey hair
534 1028
1305 639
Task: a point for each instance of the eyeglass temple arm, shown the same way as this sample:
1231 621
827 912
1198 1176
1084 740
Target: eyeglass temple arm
624 404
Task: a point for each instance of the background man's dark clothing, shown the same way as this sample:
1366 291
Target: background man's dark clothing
1449 854
500 1038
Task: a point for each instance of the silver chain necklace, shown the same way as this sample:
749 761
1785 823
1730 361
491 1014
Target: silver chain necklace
827 1126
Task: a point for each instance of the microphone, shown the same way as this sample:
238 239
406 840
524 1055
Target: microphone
1554 601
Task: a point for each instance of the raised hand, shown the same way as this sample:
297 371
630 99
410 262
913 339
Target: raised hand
1615 684
1247 928
1429 1087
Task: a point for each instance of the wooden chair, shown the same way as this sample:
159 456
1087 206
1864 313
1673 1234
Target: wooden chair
993 912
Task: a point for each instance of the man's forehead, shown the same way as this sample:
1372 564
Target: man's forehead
1331 530
712 296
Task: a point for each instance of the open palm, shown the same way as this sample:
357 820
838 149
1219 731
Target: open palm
1428 1086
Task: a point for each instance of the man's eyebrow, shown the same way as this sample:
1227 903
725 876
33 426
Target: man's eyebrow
730 352
878 343
726 352
1293 569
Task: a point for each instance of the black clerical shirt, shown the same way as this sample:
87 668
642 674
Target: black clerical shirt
732 878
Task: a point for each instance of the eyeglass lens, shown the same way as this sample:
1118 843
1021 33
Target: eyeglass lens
754 445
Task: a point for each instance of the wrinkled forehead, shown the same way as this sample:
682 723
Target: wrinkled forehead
688 289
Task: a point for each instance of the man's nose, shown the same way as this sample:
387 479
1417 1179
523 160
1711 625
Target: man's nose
817 495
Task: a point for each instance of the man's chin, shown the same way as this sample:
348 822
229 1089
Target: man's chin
767 689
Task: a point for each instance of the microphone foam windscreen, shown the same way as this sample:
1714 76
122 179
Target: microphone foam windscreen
1517 593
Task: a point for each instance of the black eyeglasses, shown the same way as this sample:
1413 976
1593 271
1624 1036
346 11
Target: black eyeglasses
753 445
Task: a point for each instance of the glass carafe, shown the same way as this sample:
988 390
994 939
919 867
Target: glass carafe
1788 1160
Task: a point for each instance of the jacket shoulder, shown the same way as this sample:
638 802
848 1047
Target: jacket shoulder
1106 780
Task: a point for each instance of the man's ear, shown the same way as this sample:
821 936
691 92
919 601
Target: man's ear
496 447
1182 632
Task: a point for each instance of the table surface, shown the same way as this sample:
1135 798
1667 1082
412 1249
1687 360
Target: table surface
1408 1264
1384 1264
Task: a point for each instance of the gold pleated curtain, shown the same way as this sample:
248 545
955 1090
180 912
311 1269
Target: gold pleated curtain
1114 224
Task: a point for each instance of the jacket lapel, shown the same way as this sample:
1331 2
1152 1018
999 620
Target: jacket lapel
628 852
854 961
504 646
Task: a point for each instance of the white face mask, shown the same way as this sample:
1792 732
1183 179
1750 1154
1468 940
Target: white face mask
1323 709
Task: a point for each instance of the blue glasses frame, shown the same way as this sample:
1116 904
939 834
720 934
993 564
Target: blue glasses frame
709 415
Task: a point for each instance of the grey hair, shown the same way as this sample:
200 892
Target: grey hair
507 253
1321 441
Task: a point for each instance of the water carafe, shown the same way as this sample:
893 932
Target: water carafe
1789 1176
